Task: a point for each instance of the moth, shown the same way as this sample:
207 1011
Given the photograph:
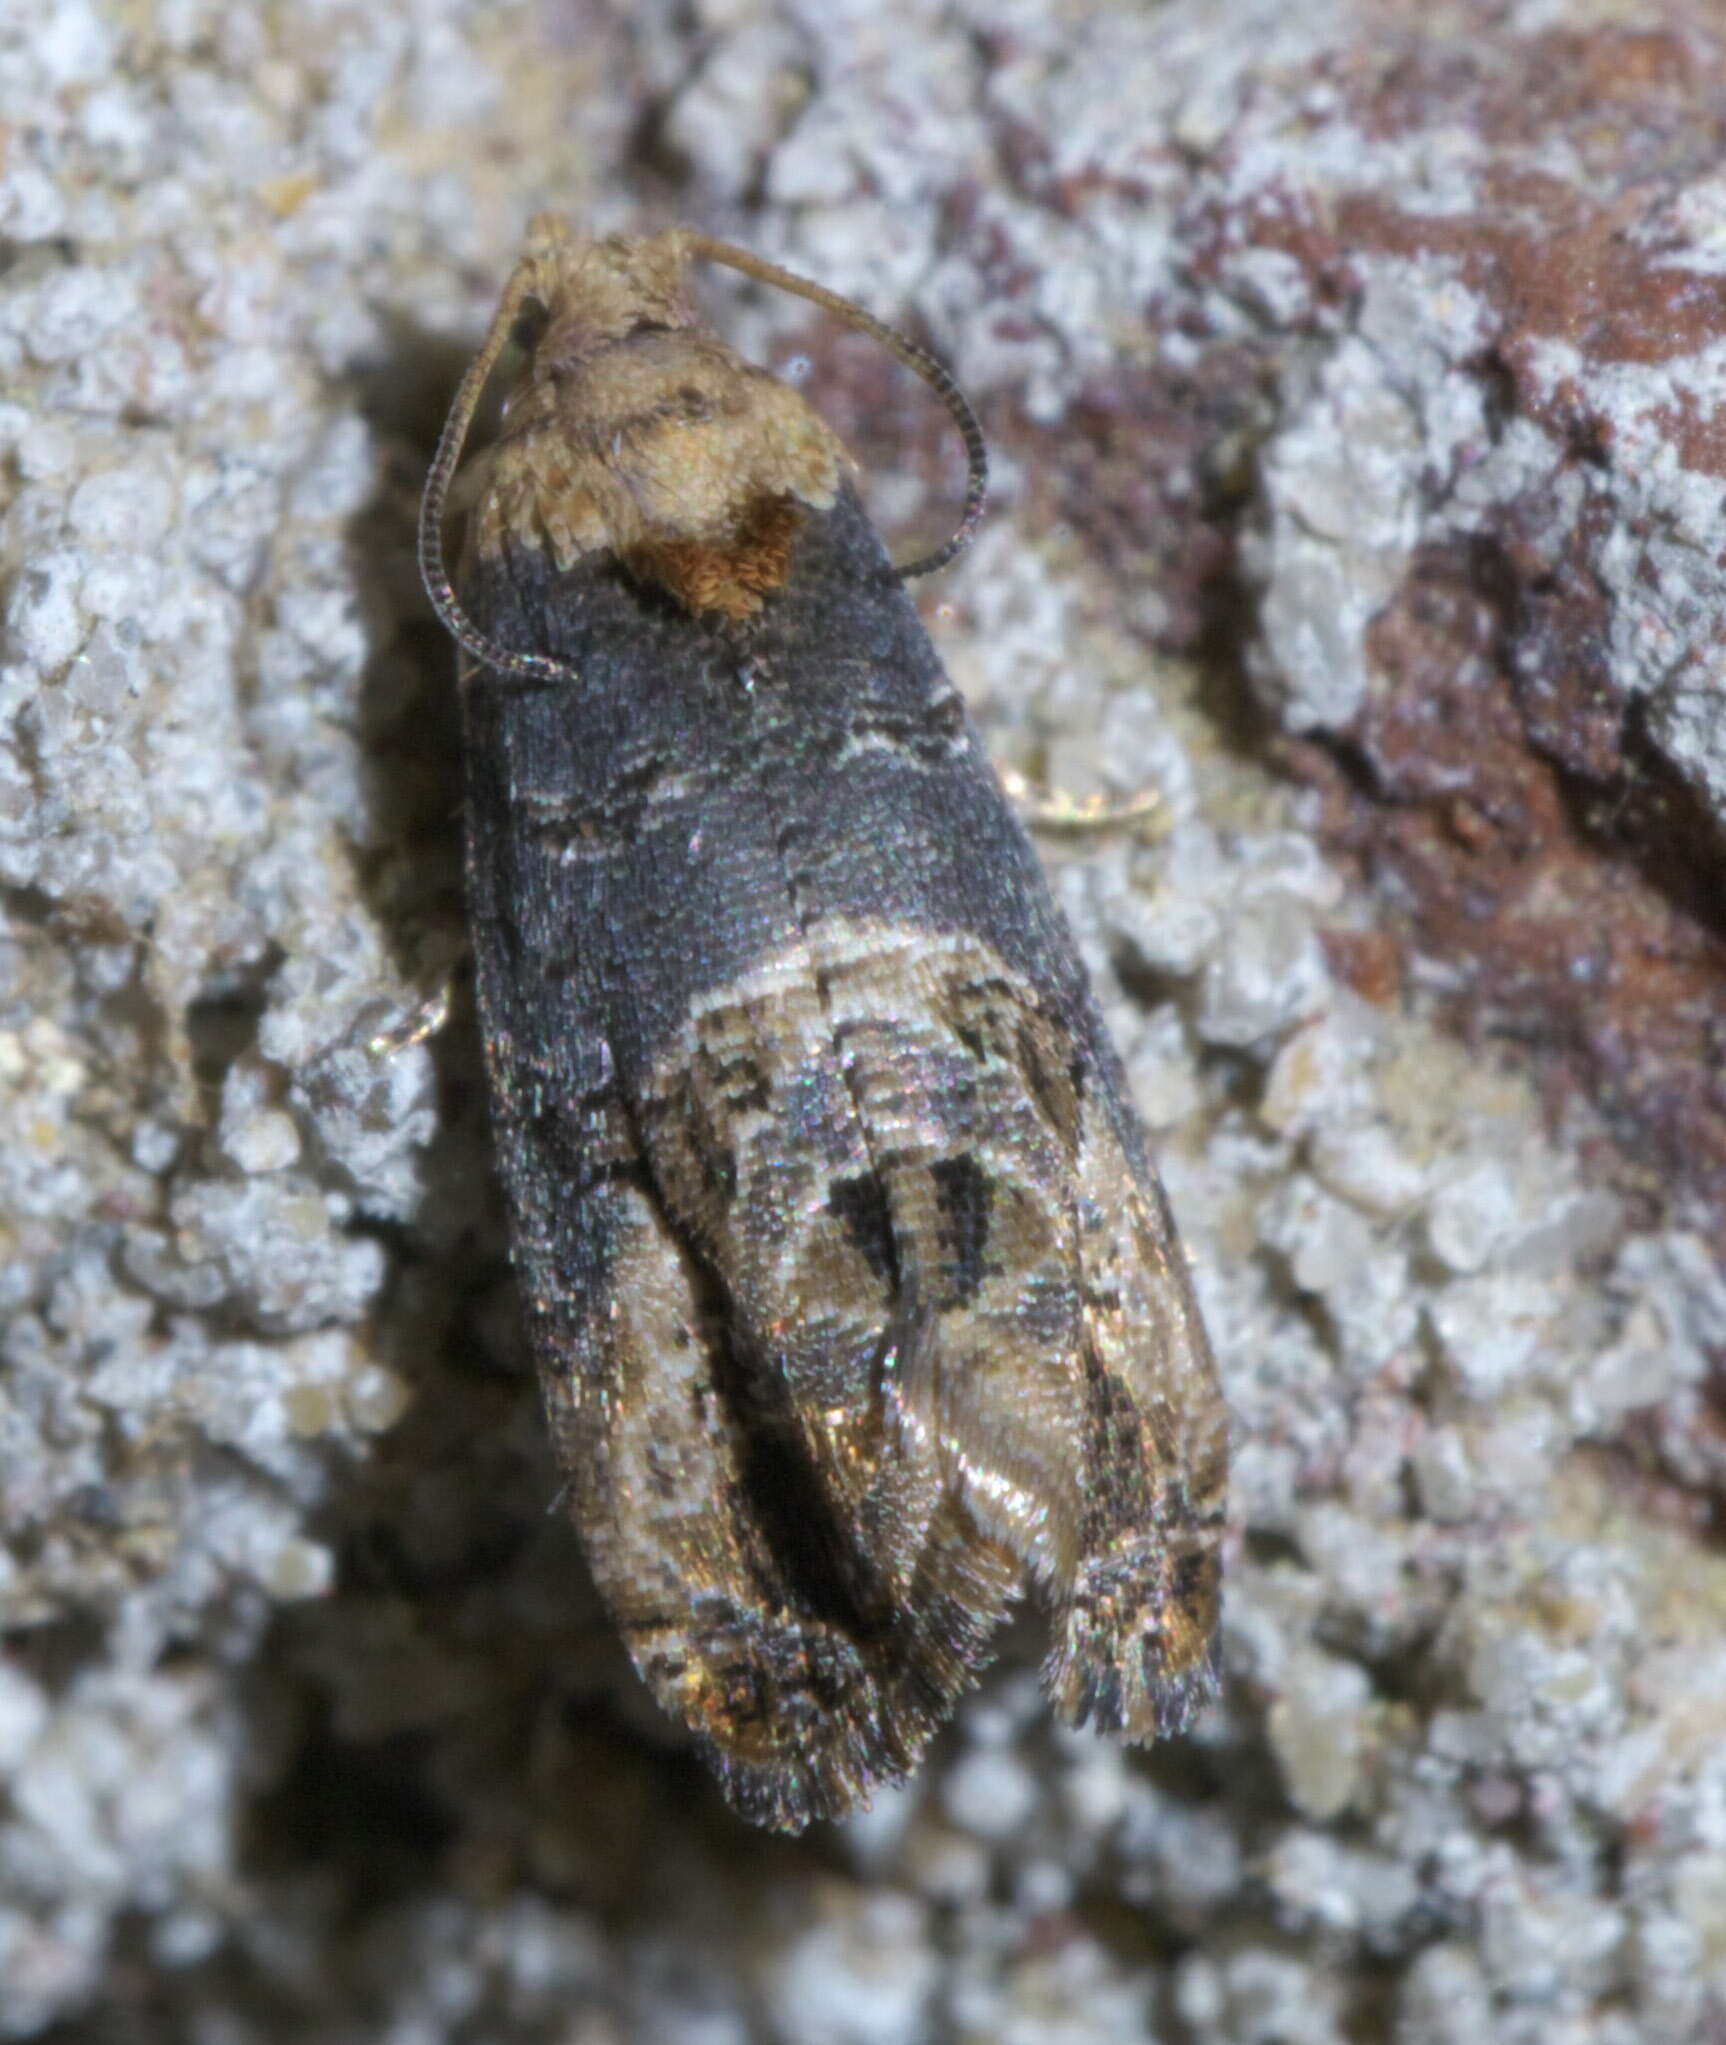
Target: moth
856 1301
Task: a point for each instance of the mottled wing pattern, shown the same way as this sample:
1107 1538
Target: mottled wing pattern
851 1287
683 1165
1070 1384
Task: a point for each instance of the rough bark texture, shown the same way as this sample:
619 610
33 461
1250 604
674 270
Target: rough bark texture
1355 372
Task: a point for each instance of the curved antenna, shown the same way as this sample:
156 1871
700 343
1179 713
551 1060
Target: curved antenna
527 667
935 374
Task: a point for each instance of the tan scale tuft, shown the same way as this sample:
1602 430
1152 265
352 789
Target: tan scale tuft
634 431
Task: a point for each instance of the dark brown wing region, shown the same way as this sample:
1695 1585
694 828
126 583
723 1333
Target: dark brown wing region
855 1298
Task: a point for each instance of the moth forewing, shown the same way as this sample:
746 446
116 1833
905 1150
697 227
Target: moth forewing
853 1293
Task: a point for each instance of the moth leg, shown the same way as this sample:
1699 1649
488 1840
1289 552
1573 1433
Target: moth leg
1059 810
423 1021
443 978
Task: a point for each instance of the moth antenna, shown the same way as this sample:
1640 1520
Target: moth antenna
531 667
935 374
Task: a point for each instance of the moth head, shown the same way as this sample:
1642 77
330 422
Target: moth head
577 295
633 432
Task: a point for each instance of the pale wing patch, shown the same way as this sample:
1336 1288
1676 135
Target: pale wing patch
1068 1387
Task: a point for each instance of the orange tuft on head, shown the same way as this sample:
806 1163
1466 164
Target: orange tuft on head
728 581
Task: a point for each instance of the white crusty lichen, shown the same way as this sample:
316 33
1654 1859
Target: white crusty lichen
306 1722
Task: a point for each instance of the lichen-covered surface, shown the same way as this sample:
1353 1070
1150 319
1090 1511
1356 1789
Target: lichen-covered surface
1355 372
